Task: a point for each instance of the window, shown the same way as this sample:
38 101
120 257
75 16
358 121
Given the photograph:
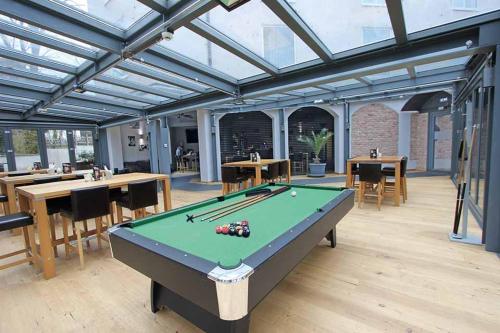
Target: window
464 4
376 34
57 147
3 155
373 2
84 149
279 46
25 148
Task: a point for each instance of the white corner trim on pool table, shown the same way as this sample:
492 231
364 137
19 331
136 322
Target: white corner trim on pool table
232 290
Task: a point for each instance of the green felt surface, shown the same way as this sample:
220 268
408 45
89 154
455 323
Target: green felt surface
267 219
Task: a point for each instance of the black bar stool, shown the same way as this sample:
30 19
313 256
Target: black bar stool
140 195
25 221
231 179
272 173
354 173
283 169
371 183
86 203
391 172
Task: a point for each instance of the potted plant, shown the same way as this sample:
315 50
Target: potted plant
316 142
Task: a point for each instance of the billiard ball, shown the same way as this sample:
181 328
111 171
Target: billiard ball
293 194
225 230
218 229
240 232
244 222
246 233
232 231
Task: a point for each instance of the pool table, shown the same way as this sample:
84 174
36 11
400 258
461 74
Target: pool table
215 280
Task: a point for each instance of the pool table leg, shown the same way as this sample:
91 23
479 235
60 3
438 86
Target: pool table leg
332 237
163 297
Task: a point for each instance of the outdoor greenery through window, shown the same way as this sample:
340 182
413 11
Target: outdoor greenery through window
84 149
26 148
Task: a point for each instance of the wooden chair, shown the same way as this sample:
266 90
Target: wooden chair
24 221
391 172
4 201
371 183
141 194
86 203
232 177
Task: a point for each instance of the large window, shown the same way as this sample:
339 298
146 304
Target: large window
464 4
25 148
373 2
57 147
84 149
279 46
3 156
375 34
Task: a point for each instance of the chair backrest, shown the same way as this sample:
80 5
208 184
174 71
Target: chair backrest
283 168
273 170
371 173
46 180
354 166
17 174
89 203
123 171
404 164
142 194
238 158
230 174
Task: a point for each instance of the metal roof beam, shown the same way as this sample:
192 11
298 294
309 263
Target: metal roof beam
70 116
49 42
215 36
13 105
70 107
364 80
136 86
8 88
114 93
90 103
288 15
411 72
17 100
69 113
395 9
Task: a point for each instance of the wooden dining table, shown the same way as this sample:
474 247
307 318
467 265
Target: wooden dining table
13 173
9 184
258 167
32 199
395 160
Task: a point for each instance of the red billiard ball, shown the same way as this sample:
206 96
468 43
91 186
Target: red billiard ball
218 229
244 222
225 230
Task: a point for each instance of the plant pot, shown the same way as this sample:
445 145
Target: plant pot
317 169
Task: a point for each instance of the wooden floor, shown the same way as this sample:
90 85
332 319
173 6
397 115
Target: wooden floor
392 271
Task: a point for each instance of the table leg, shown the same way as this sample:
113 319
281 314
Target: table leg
46 251
258 175
167 201
11 194
289 175
397 185
348 178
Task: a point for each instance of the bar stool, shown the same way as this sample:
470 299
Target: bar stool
140 195
54 206
24 221
391 172
371 183
283 170
231 179
272 173
354 173
86 203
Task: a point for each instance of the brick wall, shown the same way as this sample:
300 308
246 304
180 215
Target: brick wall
374 125
418 148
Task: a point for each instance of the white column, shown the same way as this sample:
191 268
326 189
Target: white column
205 146
339 124
113 135
275 117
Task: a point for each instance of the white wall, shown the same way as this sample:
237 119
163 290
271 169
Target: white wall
132 154
113 136
205 145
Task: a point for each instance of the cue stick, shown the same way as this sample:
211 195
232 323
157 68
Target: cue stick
232 205
222 214
461 155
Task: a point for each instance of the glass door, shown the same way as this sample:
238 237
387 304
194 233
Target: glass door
56 141
84 149
26 148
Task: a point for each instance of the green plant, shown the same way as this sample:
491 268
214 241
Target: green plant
316 142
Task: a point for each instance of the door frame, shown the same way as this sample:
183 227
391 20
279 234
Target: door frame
431 145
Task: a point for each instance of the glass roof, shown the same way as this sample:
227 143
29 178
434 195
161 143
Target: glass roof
346 24
114 100
139 79
47 33
19 45
385 75
119 89
338 84
19 79
257 28
197 48
438 12
305 90
31 68
119 13
442 64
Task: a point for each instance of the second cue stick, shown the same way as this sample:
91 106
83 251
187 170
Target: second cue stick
272 194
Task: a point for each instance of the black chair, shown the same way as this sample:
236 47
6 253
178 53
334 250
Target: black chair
371 183
24 221
272 173
283 169
140 195
54 206
391 172
354 173
232 177
86 203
